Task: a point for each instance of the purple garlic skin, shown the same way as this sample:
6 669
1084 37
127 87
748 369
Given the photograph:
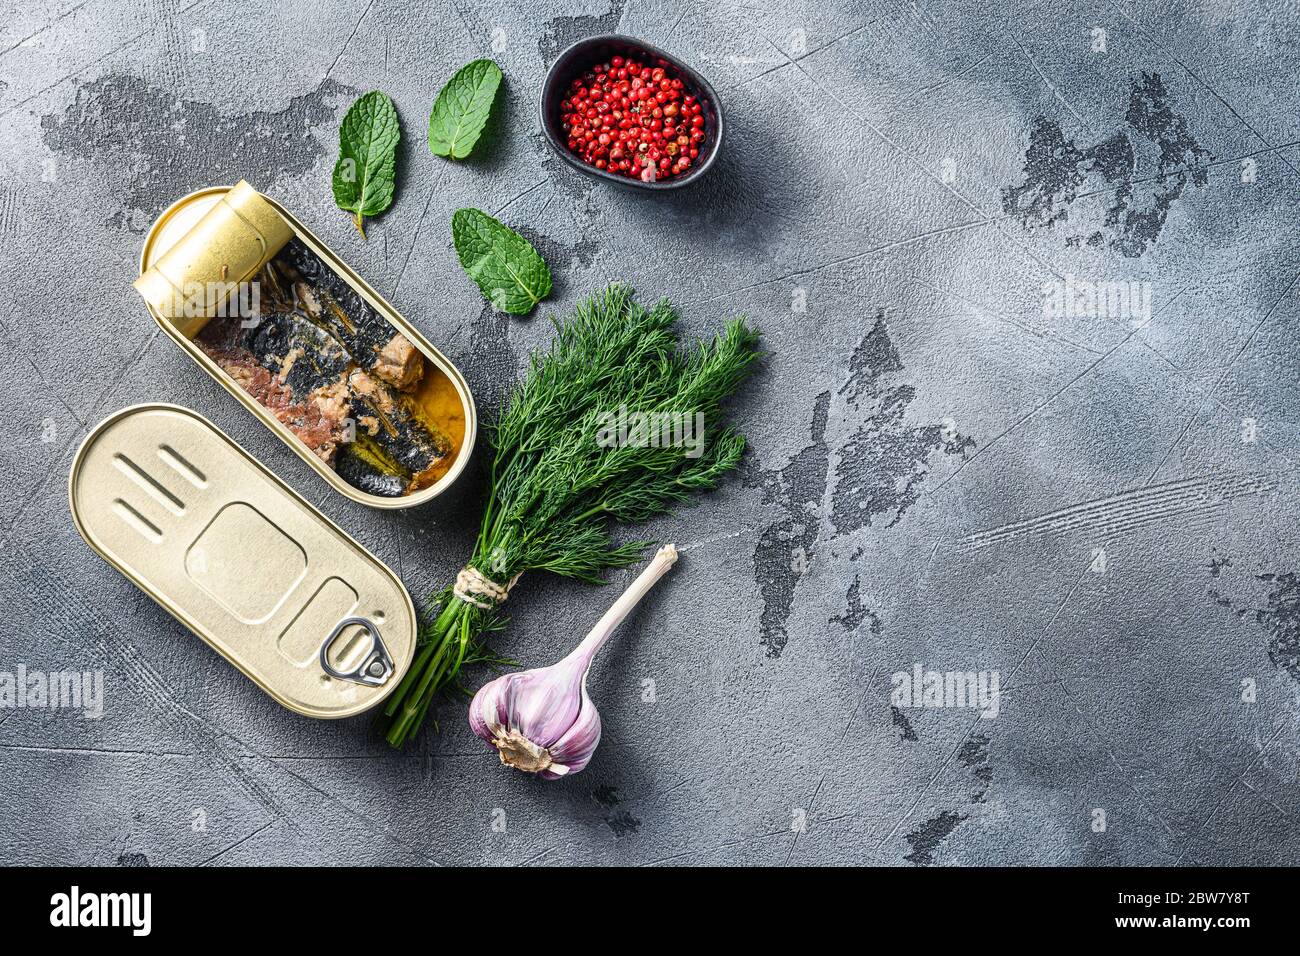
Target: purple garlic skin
542 720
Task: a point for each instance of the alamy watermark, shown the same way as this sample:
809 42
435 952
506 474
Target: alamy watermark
1075 298
658 429
242 300
74 908
53 690
977 690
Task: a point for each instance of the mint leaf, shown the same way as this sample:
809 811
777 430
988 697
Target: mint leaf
364 176
503 263
462 108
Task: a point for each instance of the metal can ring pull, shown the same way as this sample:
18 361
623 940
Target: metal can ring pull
376 665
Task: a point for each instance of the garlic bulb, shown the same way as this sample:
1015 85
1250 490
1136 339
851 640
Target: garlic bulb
542 721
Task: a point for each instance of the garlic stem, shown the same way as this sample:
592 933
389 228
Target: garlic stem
664 559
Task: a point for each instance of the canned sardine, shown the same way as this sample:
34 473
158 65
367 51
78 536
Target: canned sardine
308 346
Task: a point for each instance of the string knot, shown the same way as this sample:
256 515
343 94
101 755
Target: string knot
476 588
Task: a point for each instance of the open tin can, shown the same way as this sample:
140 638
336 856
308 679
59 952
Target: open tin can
270 312
210 533
238 557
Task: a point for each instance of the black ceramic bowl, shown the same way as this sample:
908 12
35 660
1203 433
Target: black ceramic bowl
585 54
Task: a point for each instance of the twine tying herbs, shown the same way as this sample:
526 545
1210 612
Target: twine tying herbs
472 585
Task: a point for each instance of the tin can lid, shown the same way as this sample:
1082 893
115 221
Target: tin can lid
237 234
238 557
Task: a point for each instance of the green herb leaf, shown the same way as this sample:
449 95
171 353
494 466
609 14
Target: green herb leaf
503 263
462 108
364 176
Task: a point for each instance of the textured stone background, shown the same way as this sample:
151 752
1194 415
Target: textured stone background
941 473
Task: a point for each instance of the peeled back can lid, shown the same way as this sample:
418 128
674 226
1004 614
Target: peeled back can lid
238 235
243 561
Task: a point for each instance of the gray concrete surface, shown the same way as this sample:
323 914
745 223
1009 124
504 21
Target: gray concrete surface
946 471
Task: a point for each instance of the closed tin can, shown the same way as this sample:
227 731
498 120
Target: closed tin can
314 351
240 559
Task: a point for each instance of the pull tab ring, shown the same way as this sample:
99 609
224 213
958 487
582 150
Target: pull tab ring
376 665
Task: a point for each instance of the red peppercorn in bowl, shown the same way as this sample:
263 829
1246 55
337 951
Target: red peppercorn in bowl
620 109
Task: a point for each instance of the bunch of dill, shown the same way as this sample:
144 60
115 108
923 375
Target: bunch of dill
556 488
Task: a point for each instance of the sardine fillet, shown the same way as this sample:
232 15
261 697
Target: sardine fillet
319 422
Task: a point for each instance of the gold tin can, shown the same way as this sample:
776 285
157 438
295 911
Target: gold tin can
242 560
219 237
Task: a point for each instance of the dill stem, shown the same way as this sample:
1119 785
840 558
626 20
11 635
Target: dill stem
429 647
593 510
417 665
431 671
